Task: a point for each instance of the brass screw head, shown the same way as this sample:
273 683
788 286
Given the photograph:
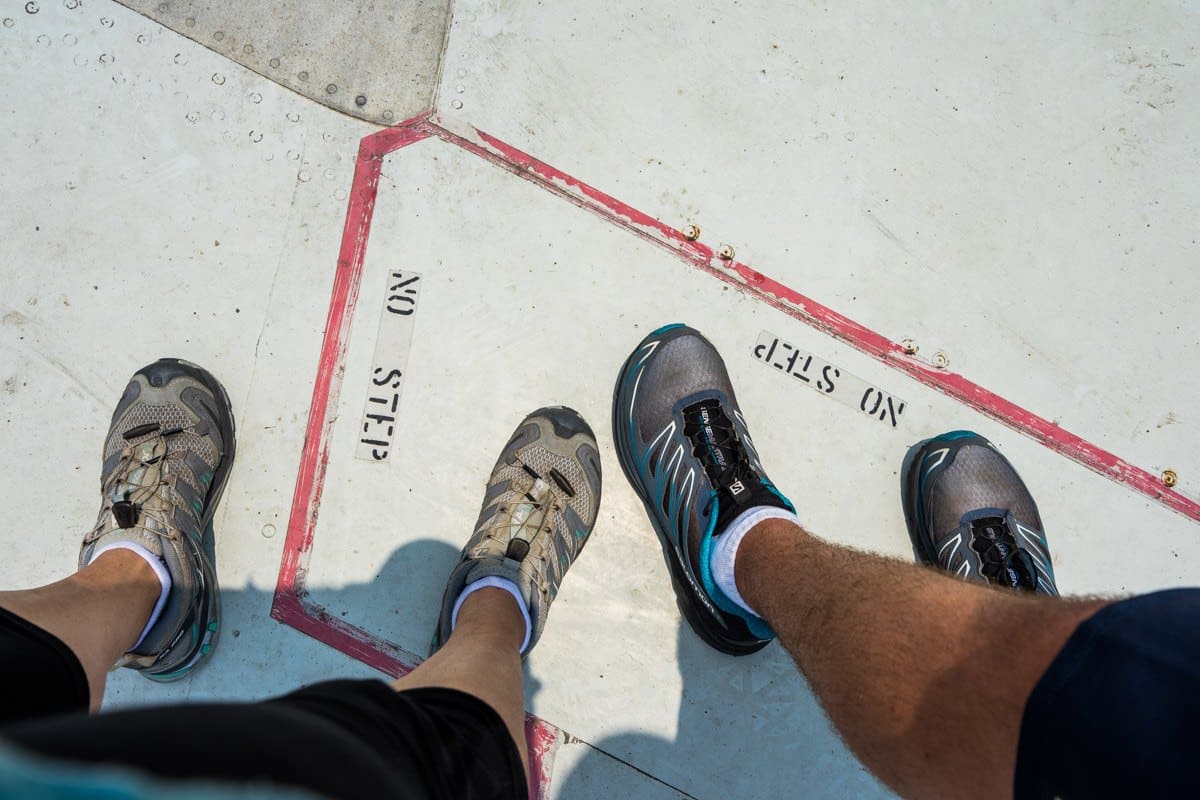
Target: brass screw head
1169 478
726 252
691 232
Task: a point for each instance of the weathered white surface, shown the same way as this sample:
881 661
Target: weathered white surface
1016 184
373 59
124 172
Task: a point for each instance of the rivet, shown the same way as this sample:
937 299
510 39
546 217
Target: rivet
909 347
941 360
360 101
726 252
691 232
1169 478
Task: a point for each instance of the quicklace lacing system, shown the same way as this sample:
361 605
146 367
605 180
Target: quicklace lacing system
521 521
1002 562
138 481
715 442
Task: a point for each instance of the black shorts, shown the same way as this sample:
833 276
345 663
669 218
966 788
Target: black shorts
346 738
1117 714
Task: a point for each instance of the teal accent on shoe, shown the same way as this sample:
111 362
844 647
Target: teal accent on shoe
666 328
953 435
771 488
757 625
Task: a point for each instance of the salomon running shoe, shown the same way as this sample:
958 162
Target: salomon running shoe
970 514
166 459
538 511
684 446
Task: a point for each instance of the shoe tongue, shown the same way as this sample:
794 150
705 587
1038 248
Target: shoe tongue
526 517
138 488
716 443
1002 562
753 495
712 435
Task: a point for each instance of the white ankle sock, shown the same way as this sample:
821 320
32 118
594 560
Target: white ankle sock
160 569
495 582
724 551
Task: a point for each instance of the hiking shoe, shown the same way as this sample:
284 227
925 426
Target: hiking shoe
969 513
166 458
684 446
538 511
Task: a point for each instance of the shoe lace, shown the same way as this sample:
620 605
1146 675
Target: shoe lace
541 498
1002 562
138 478
715 442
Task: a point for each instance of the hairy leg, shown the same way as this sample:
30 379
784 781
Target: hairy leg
98 612
925 676
482 658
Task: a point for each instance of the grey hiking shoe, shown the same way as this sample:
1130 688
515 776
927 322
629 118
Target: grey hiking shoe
166 459
970 514
684 446
538 511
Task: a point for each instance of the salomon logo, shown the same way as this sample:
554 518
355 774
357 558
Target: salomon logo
737 487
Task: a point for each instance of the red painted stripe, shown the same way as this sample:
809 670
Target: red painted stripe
290 604
821 317
310 480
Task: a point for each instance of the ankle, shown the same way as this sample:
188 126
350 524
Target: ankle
120 568
763 549
491 613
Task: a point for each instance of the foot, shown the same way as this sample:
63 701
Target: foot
166 458
684 446
969 513
538 511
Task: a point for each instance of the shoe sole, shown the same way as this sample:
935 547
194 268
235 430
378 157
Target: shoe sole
685 596
910 491
207 628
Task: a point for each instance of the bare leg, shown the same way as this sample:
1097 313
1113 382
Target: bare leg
482 658
98 612
925 676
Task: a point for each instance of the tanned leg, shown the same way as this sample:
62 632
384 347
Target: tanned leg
482 658
98 612
925 676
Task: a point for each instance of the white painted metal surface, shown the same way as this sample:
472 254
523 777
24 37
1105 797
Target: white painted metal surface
978 179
